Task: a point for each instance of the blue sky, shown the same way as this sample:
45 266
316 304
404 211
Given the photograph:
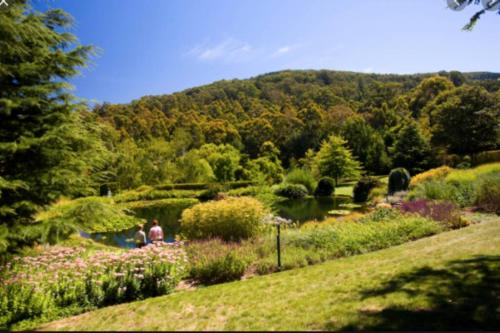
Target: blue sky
151 47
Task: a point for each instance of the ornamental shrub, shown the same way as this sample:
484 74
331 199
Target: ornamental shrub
214 261
488 192
231 219
477 186
325 187
442 211
473 174
462 193
292 191
432 174
363 187
224 269
381 214
302 177
399 180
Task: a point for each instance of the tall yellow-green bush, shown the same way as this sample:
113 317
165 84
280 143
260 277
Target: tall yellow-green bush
231 219
432 174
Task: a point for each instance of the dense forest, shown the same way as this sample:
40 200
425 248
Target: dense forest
252 129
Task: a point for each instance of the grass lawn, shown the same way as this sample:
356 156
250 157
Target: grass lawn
344 190
448 281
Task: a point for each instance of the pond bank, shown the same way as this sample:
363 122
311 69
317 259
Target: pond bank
168 213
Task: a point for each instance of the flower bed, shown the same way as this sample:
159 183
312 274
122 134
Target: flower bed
67 280
441 211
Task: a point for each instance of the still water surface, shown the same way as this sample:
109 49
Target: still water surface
297 210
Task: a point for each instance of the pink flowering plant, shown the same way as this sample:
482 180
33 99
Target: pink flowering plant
445 212
69 280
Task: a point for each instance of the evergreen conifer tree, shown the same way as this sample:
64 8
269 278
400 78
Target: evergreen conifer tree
335 160
42 136
412 150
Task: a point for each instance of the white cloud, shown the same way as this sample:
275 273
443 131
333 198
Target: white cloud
229 50
368 70
284 50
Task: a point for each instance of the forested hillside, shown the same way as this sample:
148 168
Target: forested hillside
282 118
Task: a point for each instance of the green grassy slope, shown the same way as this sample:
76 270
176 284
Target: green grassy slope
448 281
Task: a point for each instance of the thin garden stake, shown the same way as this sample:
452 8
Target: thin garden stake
278 246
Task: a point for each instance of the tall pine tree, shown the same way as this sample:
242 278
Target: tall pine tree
43 142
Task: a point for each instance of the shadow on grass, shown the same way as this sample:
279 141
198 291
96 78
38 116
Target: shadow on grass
464 295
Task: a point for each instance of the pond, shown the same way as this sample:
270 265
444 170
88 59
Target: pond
297 210
302 210
168 217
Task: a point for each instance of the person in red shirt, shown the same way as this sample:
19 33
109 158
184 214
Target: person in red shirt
155 233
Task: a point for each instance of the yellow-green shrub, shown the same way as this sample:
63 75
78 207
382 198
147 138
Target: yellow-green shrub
469 187
432 174
471 175
231 219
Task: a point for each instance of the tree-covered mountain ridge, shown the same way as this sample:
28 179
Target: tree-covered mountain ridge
318 76
293 109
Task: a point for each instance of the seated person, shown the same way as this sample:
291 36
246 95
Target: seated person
140 237
155 233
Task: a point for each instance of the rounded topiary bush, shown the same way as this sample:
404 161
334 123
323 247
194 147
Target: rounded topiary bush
363 187
325 187
399 180
292 191
231 219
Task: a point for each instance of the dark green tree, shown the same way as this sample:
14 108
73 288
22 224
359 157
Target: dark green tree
42 139
466 120
313 118
254 133
412 150
426 92
366 145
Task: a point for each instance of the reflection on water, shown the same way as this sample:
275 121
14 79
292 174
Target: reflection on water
168 218
297 210
301 210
